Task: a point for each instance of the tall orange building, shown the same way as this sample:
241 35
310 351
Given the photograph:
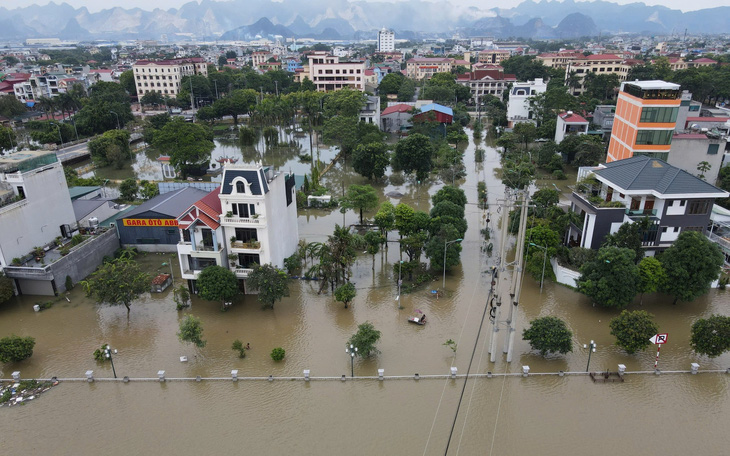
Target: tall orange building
646 114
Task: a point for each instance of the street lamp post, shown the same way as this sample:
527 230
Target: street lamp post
400 265
10 137
108 353
544 260
352 350
59 133
443 285
172 276
117 116
591 349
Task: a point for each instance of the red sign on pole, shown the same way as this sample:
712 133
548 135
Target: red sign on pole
659 339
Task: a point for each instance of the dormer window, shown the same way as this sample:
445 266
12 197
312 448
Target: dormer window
240 187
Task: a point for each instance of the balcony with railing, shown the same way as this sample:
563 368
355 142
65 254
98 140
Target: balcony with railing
641 212
241 273
246 245
256 220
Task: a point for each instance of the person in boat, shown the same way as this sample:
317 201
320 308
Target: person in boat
423 318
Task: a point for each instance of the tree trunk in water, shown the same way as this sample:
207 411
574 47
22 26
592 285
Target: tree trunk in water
128 308
360 216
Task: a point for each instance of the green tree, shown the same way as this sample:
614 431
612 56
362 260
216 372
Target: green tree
15 348
361 198
371 160
152 99
691 264
365 339
126 80
703 167
216 283
128 189
191 330
119 281
414 154
271 282
187 144
549 334
342 131
633 330
112 147
11 107
345 293
238 346
610 279
6 288
148 190
436 247
628 236
344 102
7 137
373 241
518 173
525 132
278 354
385 219
449 193
711 336
651 275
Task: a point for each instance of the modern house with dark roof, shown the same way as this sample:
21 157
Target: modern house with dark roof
250 219
152 226
641 187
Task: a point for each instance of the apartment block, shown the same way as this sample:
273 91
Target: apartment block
644 123
494 56
386 40
328 73
486 82
425 67
518 105
164 76
597 64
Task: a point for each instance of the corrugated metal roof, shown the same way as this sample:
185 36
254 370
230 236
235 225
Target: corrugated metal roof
641 173
438 108
171 204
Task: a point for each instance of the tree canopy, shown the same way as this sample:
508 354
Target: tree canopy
345 293
271 282
414 154
15 348
549 334
611 278
365 339
187 144
216 283
711 336
633 330
361 198
691 264
119 281
371 160
191 330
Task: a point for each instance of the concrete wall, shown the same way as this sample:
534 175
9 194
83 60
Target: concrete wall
687 153
564 275
84 259
282 232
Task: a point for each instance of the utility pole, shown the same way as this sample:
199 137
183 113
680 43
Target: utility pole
517 275
502 242
192 99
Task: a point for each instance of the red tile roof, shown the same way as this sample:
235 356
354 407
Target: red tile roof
704 60
396 108
603 57
572 118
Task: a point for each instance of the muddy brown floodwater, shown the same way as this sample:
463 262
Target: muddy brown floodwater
667 414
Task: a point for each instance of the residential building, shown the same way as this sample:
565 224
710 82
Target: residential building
494 56
603 117
370 113
597 64
486 82
687 108
250 219
560 60
634 188
701 62
688 150
518 105
152 226
441 114
646 114
569 123
164 76
37 222
425 67
328 73
396 118
259 57
34 203
386 40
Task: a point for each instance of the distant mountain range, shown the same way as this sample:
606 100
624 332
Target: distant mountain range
342 19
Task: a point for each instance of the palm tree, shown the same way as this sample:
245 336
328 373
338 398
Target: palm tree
46 104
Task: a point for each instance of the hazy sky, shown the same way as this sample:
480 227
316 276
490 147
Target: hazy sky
96 5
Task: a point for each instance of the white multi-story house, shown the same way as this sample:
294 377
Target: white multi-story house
328 73
386 40
250 219
518 105
164 76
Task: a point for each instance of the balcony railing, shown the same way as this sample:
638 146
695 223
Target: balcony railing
205 248
640 212
241 220
243 272
250 245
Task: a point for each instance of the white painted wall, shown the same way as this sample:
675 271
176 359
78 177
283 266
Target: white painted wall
36 220
676 208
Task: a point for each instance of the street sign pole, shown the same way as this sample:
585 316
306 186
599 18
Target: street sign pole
658 340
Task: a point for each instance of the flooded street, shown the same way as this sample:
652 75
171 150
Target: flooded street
546 415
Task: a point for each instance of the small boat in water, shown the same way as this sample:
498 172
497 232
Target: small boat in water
419 318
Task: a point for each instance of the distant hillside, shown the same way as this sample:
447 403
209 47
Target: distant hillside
333 19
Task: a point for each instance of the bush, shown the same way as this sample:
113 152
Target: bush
558 174
248 136
76 240
711 336
191 330
99 354
69 283
239 347
15 348
277 354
